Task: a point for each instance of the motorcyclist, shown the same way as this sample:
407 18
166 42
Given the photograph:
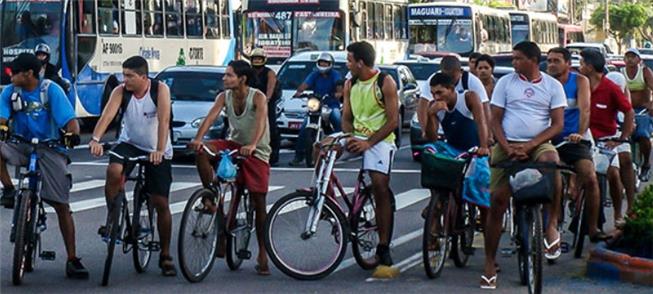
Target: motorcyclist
49 71
268 84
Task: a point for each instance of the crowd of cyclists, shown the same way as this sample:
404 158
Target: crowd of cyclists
523 116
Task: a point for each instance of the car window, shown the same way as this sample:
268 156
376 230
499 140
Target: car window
421 71
293 74
193 86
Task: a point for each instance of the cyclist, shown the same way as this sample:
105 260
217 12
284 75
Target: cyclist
268 84
34 118
246 109
484 70
640 86
608 99
527 110
145 131
49 71
323 82
576 128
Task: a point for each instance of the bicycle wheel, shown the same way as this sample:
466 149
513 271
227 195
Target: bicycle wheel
536 240
143 230
523 233
22 235
114 228
461 244
35 239
365 232
199 234
581 231
302 256
239 228
435 241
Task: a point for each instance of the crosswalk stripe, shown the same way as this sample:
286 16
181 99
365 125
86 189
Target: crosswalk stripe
178 207
87 185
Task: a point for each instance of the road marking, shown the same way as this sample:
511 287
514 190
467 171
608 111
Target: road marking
178 207
87 185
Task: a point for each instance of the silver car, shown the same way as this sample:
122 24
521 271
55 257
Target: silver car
193 90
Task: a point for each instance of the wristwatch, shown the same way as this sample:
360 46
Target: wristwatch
95 139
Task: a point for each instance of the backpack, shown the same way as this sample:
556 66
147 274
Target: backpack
379 83
465 79
18 105
154 95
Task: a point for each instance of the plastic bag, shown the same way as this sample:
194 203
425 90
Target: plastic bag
476 186
226 168
525 178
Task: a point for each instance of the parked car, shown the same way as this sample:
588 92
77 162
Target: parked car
422 69
407 90
193 90
576 48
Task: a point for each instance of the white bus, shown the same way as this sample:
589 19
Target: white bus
286 27
90 39
458 28
541 28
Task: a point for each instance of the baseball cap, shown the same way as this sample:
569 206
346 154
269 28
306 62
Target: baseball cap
633 51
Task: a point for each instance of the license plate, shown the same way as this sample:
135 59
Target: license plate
294 125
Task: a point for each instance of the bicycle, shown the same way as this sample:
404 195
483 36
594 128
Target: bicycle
135 234
29 220
457 218
203 224
312 225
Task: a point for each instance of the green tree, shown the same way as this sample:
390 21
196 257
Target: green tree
626 20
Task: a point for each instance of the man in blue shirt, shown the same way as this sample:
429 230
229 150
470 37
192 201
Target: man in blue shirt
323 82
38 109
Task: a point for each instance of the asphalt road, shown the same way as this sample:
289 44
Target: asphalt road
566 276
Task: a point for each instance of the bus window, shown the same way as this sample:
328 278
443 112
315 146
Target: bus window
388 21
174 26
153 20
378 21
224 17
321 30
364 16
108 21
212 19
404 23
370 21
86 19
131 18
193 18
398 22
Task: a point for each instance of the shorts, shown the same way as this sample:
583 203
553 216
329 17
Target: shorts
621 148
158 178
55 177
571 153
642 124
499 176
253 173
378 158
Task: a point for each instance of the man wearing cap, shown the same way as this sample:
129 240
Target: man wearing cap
268 84
639 80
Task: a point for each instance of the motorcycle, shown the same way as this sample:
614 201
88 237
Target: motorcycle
318 124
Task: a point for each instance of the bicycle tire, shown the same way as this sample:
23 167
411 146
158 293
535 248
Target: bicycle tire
114 228
433 268
140 250
239 214
536 253
22 236
460 242
582 230
185 227
328 208
369 225
523 231
32 245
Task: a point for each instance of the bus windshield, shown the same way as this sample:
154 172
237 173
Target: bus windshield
520 33
310 29
25 24
445 35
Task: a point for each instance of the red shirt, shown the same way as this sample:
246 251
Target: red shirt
606 101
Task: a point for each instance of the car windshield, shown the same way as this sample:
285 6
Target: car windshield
292 74
520 33
447 35
421 71
193 86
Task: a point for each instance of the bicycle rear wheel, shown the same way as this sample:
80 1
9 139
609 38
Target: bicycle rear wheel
365 233
435 240
143 230
114 228
199 234
302 256
581 230
239 228
22 235
535 256
461 244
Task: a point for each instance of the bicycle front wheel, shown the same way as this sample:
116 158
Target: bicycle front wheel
239 229
435 240
143 230
198 235
22 236
535 246
462 243
114 228
297 253
365 232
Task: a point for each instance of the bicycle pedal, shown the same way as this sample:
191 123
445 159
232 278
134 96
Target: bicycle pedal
47 255
244 254
154 246
564 247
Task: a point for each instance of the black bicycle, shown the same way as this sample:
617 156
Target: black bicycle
135 232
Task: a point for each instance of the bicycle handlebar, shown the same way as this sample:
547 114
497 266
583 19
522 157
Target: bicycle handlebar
142 158
34 141
512 164
617 140
215 154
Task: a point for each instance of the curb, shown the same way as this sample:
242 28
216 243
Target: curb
612 265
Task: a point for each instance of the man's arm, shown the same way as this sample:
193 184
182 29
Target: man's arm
213 114
109 113
73 126
629 125
391 102
272 82
261 107
583 85
497 127
347 117
310 79
474 104
163 115
422 115
431 124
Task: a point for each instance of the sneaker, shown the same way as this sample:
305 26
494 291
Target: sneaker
296 162
76 270
8 196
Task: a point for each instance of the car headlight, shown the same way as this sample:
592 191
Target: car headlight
197 122
313 104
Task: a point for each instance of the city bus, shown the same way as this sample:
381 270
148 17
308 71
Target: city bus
286 27
90 39
570 34
457 28
541 28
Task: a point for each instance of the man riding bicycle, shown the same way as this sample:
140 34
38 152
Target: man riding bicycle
527 110
145 131
246 109
607 100
576 129
32 117
323 81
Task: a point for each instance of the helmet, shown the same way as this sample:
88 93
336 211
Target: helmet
617 78
42 48
258 52
325 56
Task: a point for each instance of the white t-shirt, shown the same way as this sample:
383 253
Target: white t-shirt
527 105
474 84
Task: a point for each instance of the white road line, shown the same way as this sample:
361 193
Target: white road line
178 207
87 185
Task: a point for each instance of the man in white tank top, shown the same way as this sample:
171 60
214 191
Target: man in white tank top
145 131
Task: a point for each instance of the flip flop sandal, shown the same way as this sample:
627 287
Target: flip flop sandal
489 284
547 247
262 271
167 266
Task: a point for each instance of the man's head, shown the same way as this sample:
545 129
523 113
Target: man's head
238 74
258 58
443 87
591 62
451 66
135 73
325 62
360 55
25 70
485 67
472 61
526 57
558 62
632 57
